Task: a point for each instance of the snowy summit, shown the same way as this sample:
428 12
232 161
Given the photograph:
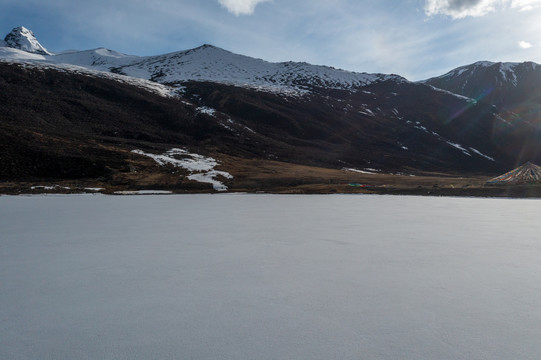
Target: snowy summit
204 63
23 39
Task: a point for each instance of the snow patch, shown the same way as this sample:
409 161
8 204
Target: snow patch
509 69
359 171
142 192
364 171
483 64
458 146
481 154
206 110
49 187
366 111
470 100
200 167
209 177
420 127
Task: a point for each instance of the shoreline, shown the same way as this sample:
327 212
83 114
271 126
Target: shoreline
532 191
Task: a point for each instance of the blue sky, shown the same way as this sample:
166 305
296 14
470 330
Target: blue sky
414 38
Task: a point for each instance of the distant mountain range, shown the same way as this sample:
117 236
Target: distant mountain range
205 63
81 113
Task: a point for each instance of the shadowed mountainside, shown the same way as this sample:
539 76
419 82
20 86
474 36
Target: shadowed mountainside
59 124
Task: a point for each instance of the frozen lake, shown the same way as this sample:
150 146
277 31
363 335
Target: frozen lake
269 277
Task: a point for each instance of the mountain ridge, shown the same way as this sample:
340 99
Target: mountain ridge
210 63
107 59
513 88
224 104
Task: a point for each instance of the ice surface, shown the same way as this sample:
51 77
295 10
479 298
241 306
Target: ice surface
269 277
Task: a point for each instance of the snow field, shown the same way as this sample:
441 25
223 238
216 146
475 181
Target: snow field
269 277
201 168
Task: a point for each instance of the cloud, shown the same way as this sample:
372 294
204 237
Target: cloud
459 9
525 5
524 45
241 7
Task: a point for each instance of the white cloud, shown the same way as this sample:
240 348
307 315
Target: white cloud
524 45
241 7
525 5
459 9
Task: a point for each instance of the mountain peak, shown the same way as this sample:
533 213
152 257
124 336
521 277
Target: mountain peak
23 39
208 47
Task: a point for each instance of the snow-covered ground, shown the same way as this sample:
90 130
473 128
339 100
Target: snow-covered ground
269 277
201 168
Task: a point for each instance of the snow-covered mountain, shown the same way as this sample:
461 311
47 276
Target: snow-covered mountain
512 87
210 63
23 39
497 82
498 74
381 122
205 63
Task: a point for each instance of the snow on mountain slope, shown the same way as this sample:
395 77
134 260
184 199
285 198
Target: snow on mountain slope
151 86
205 63
466 69
485 74
506 71
209 63
7 53
100 59
23 39
513 88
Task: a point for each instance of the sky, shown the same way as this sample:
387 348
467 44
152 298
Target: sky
417 39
